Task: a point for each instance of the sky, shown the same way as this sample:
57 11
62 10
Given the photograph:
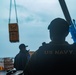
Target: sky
34 16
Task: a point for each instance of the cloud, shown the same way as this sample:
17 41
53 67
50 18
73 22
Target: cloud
34 16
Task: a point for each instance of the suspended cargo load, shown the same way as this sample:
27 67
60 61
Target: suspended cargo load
13 27
13 32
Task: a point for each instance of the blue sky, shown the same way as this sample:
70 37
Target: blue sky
34 16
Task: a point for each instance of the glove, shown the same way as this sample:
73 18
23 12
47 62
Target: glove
72 30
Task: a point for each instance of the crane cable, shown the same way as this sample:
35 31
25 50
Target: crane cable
15 11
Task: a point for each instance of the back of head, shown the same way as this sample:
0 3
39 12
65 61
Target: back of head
58 28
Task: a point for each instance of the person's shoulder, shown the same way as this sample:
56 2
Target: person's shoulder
44 46
17 55
73 45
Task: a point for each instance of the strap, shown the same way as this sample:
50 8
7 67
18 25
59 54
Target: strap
11 9
15 11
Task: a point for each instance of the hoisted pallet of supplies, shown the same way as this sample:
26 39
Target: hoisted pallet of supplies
13 27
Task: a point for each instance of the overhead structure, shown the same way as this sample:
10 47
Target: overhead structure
65 11
72 27
13 27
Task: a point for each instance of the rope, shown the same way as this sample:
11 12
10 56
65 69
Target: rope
15 11
11 9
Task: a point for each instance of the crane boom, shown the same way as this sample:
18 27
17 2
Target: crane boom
65 11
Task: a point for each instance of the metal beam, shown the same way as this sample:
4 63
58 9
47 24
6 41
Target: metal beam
65 11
